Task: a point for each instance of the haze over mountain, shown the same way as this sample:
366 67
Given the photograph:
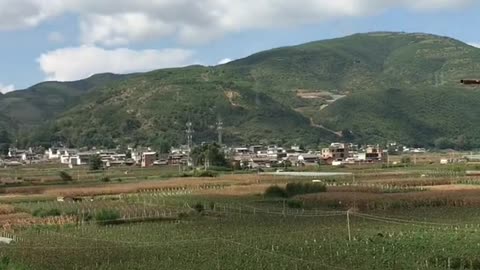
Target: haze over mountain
370 88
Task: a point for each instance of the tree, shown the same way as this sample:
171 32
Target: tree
4 149
210 154
65 176
462 143
348 135
162 145
443 143
406 160
96 163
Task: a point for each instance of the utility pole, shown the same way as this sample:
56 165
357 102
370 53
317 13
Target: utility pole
388 159
354 183
348 226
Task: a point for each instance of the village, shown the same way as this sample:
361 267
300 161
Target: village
244 157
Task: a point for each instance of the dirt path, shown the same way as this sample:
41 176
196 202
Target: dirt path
337 133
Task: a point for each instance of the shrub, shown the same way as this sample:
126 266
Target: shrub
185 174
205 174
107 215
65 176
199 207
105 179
406 160
295 204
40 212
220 169
275 192
293 189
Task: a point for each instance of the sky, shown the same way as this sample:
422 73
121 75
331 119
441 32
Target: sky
67 40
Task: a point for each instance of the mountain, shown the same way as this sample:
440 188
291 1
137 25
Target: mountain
27 110
44 101
368 88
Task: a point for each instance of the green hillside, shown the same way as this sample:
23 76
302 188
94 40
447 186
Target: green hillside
46 100
154 108
378 86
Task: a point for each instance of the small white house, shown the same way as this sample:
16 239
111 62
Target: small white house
52 153
445 161
337 163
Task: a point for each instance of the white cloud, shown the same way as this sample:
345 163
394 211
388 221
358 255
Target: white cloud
118 22
120 29
56 37
224 61
6 88
474 44
80 62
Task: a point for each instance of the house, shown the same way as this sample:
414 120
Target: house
183 150
82 158
373 153
28 156
370 153
275 152
148 159
261 162
52 153
14 153
296 148
241 151
307 160
254 149
114 163
137 153
178 159
161 162
65 155
336 152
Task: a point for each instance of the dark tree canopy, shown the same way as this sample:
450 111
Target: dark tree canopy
96 163
211 154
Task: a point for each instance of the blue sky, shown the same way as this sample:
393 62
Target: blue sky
72 39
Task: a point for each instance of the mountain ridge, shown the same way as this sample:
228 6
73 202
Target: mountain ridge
375 87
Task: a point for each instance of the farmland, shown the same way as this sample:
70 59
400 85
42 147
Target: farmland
422 216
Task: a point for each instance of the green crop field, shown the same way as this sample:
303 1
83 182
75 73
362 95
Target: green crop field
243 237
422 216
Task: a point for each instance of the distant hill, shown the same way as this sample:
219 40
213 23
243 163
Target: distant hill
373 87
45 100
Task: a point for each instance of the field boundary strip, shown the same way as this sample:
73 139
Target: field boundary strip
403 221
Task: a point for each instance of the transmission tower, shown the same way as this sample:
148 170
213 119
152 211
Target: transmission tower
220 131
189 133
